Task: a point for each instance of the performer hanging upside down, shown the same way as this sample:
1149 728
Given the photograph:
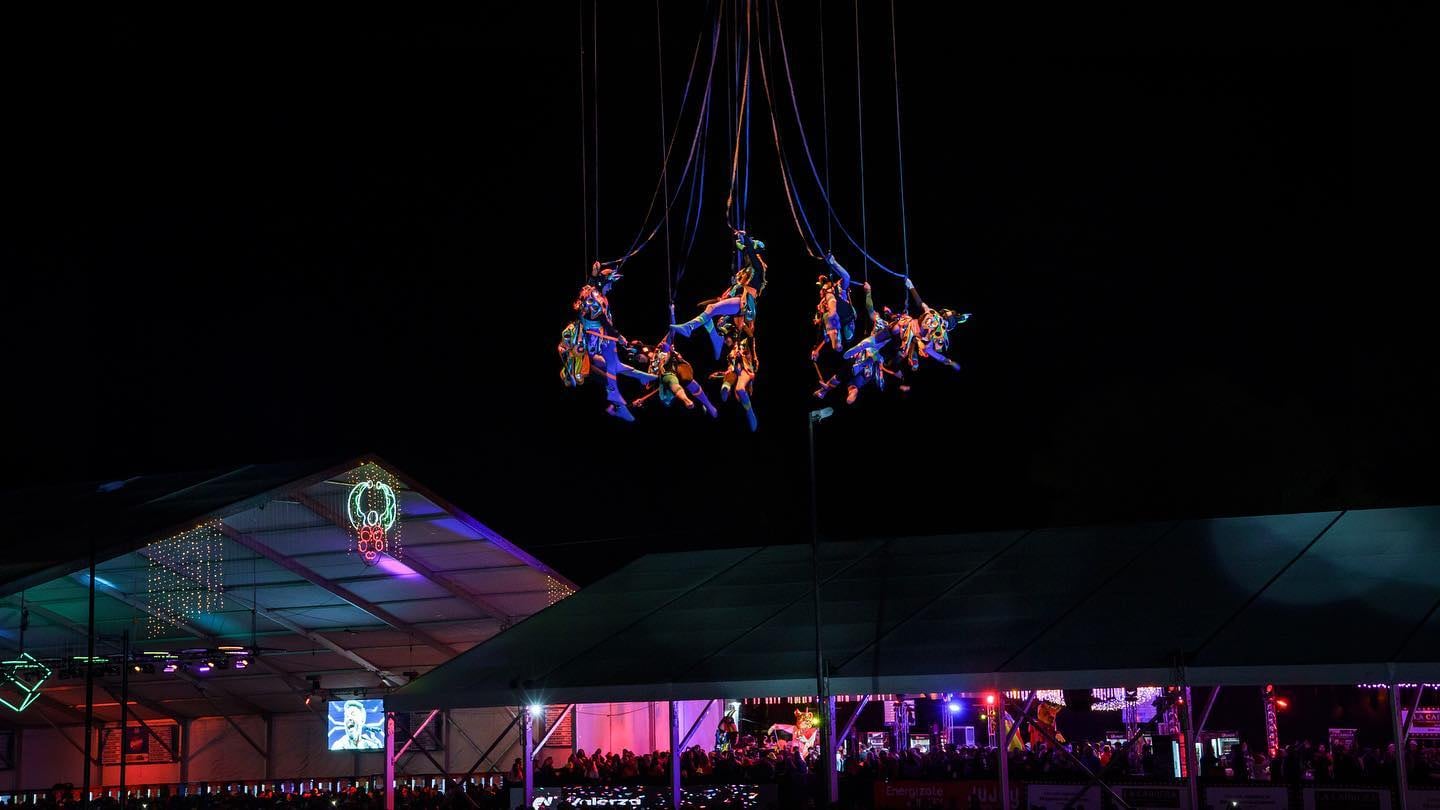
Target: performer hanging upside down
738 302
867 361
588 344
739 375
928 335
676 378
834 316
834 320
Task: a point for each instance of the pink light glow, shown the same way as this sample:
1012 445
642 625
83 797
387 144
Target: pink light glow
394 567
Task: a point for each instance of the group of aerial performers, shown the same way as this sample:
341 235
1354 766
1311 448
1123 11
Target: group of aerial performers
845 355
592 346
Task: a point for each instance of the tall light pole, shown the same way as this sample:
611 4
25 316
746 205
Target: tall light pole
822 683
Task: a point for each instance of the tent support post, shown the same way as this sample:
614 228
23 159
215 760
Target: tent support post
828 740
269 748
124 712
184 756
1192 738
1402 779
675 792
527 754
389 761
1003 755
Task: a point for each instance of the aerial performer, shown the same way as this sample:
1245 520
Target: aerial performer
675 377
929 334
738 303
589 344
738 377
867 361
834 320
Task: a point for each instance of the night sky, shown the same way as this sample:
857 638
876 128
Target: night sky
254 241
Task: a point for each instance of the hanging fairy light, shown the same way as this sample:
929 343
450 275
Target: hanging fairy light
1055 696
373 509
186 577
1114 700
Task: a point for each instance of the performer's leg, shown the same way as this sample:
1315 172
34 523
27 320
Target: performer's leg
633 373
926 350
699 394
742 394
679 393
603 363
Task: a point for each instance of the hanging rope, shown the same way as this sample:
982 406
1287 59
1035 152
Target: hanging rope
810 157
584 162
664 155
741 123
642 238
899 145
860 128
595 100
792 200
825 122
691 225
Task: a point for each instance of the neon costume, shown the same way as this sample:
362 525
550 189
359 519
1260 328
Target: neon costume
588 344
739 374
929 334
738 303
834 320
676 378
867 362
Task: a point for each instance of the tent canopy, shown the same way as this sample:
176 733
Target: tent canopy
296 597
1330 597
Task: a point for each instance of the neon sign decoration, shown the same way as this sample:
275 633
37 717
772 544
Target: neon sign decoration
372 509
26 675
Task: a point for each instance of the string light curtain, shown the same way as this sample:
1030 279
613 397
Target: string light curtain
186 577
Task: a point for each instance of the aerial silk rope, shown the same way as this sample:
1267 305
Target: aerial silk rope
584 161
792 201
595 100
740 124
664 156
810 158
860 128
825 122
641 237
899 147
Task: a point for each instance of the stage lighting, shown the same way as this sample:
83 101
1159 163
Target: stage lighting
990 699
954 707
536 709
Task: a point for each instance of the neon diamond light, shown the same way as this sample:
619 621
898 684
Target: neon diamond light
25 675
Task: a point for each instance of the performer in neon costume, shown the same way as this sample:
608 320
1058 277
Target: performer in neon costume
834 316
676 377
588 344
929 334
834 320
738 303
867 363
739 374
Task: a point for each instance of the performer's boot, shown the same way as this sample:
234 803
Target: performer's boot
699 394
684 329
749 410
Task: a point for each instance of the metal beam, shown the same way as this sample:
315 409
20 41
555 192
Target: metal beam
1205 715
115 593
416 733
486 753
850 724
75 627
553 727
385 676
454 587
77 746
695 726
1410 718
350 597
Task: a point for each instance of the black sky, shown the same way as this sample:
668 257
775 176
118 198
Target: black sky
248 241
